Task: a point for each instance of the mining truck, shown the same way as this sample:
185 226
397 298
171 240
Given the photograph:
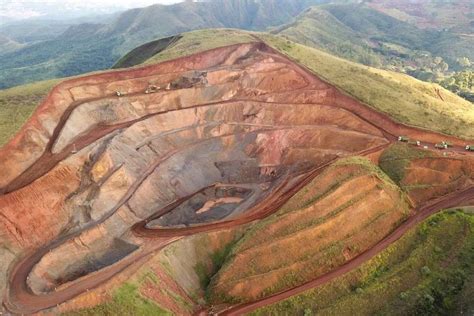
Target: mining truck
441 146
470 147
118 93
404 139
152 89
447 144
414 142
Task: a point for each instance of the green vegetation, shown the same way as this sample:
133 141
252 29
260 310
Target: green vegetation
198 41
461 83
206 271
423 273
146 51
125 301
395 159
89 47
406 99
17 104
362 34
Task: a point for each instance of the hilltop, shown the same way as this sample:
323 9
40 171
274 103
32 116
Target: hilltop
219 167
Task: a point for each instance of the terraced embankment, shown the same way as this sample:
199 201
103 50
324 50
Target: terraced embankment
97 181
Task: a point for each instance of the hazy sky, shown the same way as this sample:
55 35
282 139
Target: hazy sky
32 8
101 2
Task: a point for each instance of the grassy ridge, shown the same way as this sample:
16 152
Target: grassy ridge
407 100
395 159
364 35
198 41
17 104
423 273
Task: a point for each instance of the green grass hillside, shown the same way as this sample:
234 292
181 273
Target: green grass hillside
362 34
145 51
17 104
93 46
424 273
198 41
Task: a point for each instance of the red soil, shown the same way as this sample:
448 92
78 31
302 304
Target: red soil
250 90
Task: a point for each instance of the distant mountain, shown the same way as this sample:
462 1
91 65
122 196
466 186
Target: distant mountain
454 15
365 35
353 30
36 30
14 10
88 47
8 45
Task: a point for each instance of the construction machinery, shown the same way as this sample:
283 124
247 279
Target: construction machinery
447 144
152 89
414 142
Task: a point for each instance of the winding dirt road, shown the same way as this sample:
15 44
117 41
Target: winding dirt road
21 300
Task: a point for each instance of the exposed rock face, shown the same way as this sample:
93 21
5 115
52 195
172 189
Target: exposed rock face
90 164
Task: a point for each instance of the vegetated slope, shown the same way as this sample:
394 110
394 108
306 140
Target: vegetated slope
145 52
340 214
453 15
423 273
17 104
8 45
362 34
424 176
88 47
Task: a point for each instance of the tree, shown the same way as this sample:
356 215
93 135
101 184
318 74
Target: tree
464 62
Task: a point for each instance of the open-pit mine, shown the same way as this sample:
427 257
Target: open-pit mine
114 166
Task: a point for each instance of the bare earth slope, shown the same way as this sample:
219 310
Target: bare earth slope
96 181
